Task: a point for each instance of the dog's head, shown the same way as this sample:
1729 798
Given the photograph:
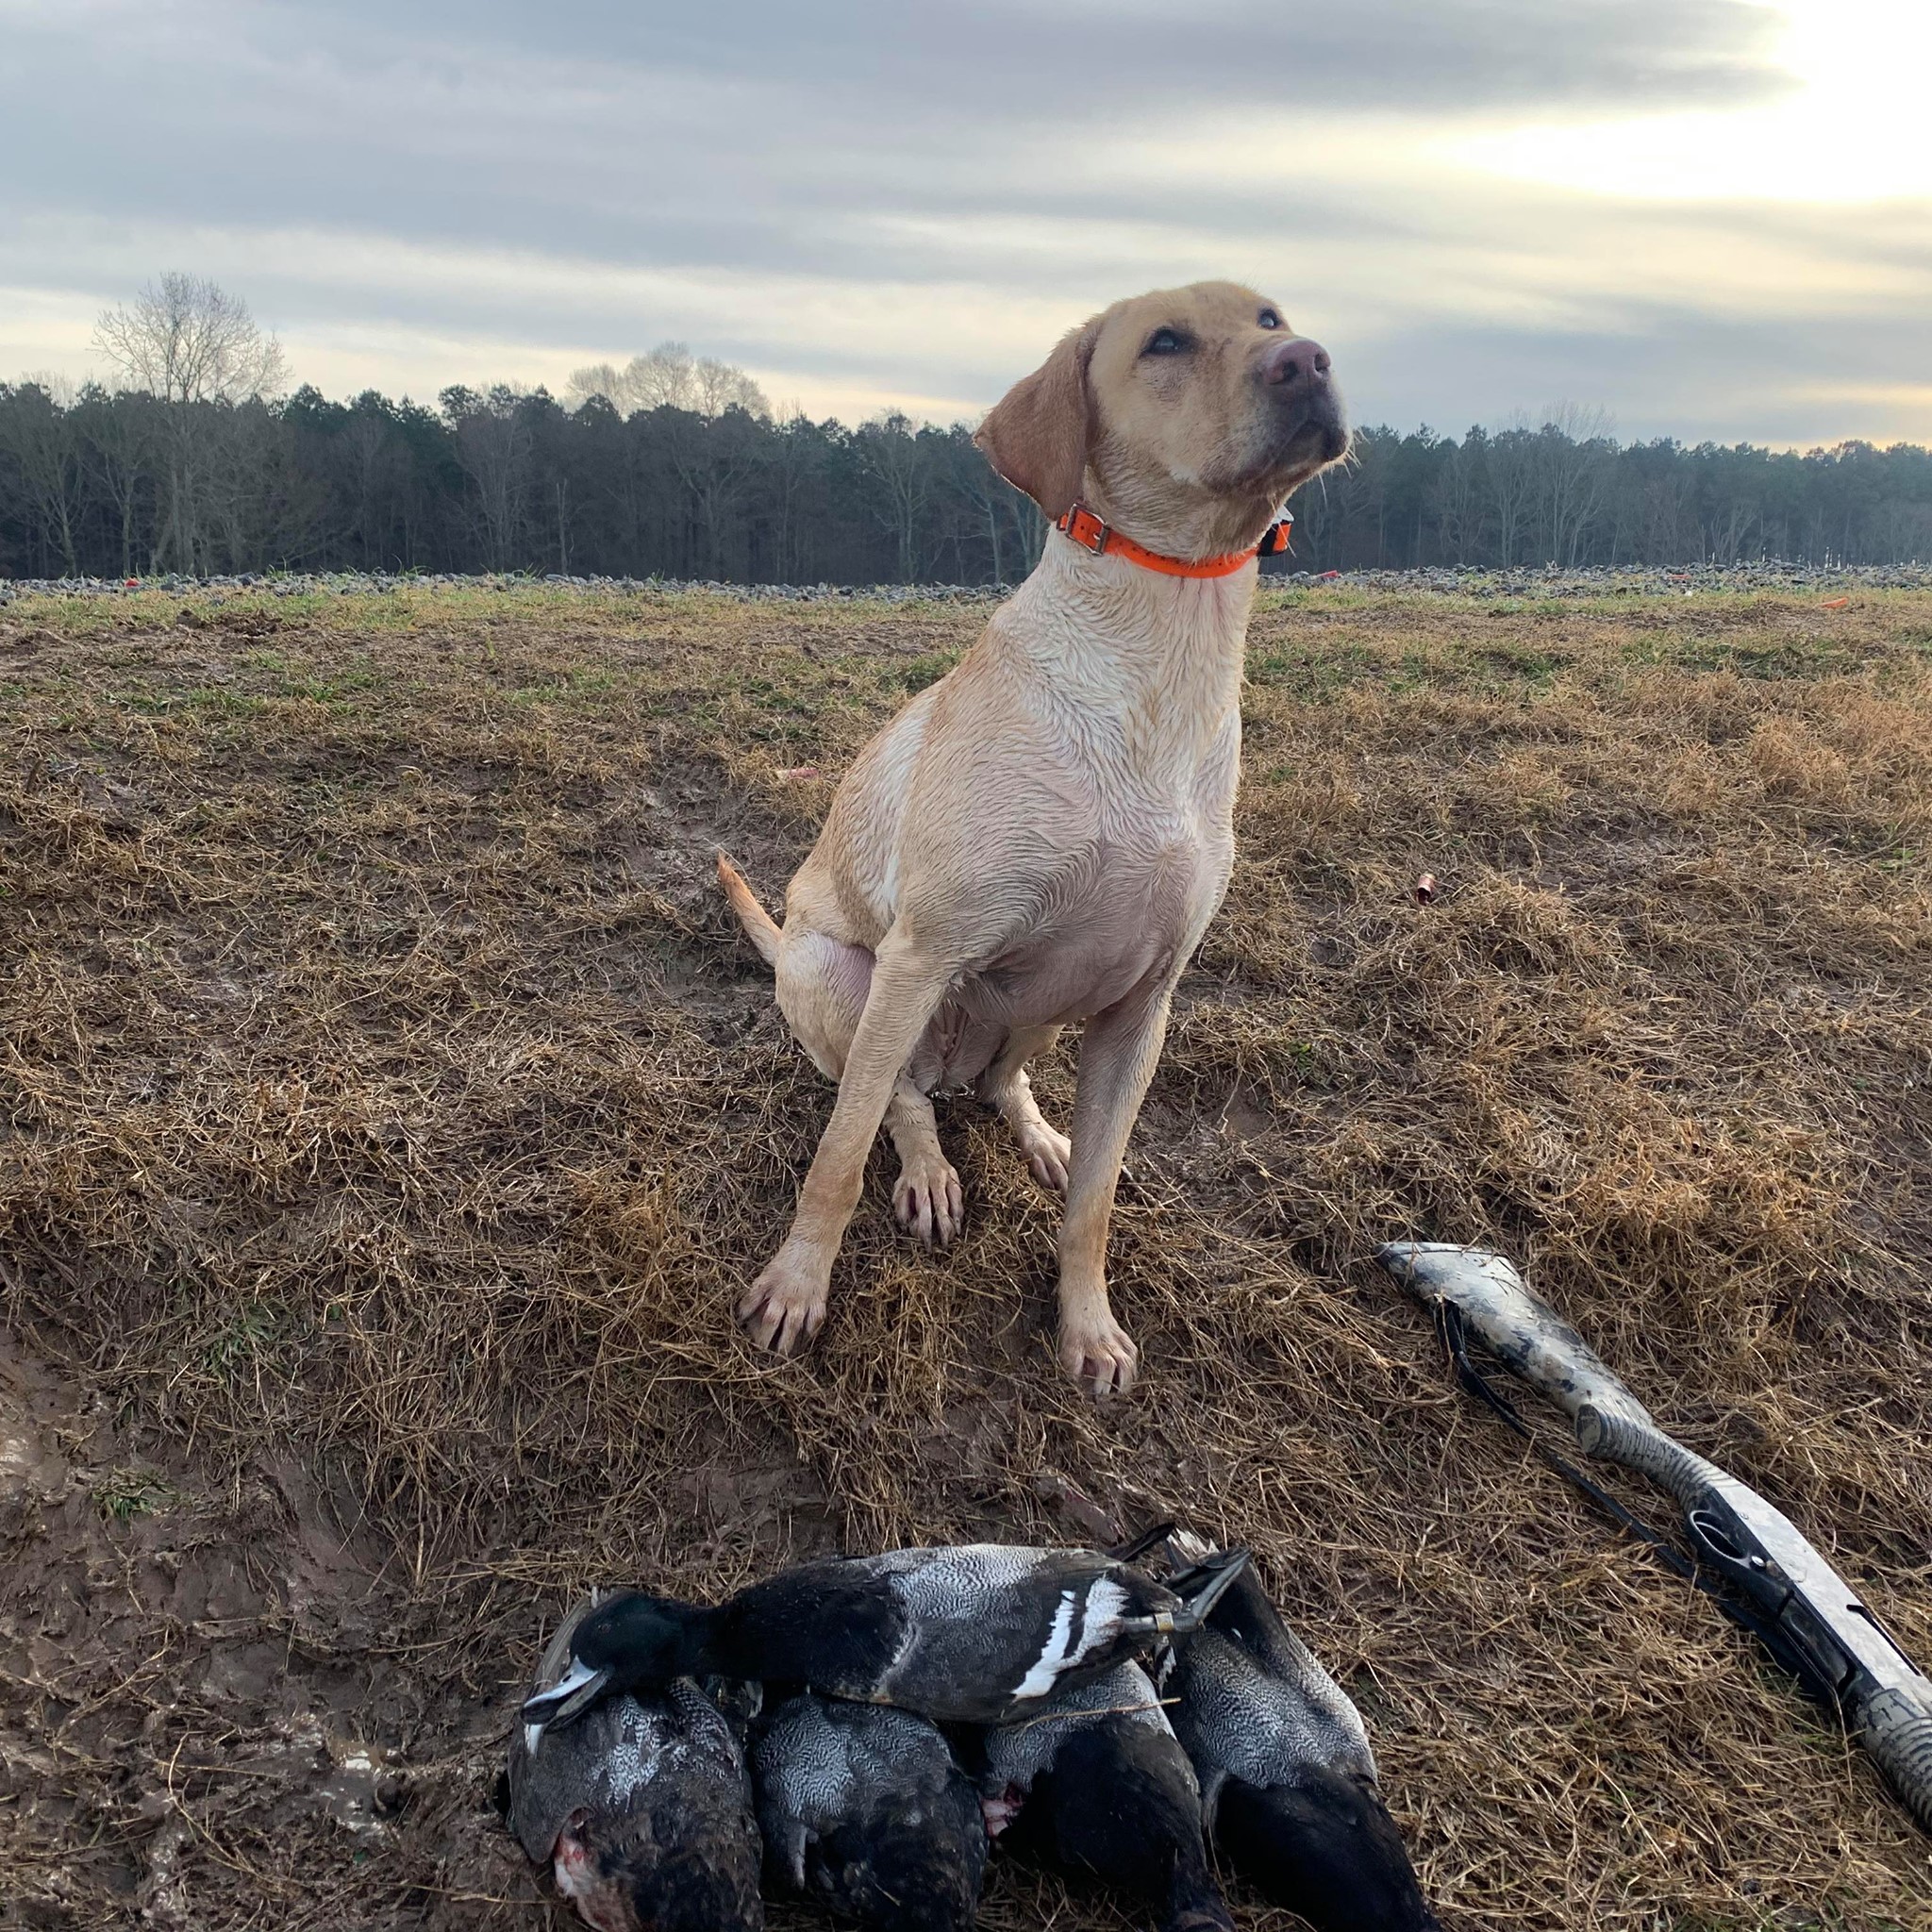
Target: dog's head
1185 417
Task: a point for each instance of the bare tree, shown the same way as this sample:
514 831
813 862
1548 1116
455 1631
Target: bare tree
666 379
118 439
983 492
716 463
893 459
1726 533
795 456
721 386
493 447
187 341
1571 463
1901 532
1361 491
1456 499
196 348
40 435
670 376
1512 475
603 379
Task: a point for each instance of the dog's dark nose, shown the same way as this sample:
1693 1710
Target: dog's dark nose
1298 367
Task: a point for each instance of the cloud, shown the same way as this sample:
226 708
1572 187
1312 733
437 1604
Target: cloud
756 134
871 204
1665 371
987 65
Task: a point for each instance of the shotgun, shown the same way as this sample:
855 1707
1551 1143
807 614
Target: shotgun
1773 1580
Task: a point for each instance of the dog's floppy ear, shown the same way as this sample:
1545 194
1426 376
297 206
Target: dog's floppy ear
1036 436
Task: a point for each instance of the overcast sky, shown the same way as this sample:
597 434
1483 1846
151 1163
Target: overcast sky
1705 217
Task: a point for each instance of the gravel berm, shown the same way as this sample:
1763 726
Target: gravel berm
1552 580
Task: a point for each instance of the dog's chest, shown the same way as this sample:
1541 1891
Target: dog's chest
1162 793
1130 902
1122 922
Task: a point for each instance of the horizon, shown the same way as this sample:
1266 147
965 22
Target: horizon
1526 422
1710 220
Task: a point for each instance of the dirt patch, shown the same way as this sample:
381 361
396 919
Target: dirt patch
392 1113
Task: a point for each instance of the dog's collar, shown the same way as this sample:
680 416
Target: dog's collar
1091 533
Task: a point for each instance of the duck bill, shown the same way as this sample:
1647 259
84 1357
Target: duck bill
1202 1585
572 1695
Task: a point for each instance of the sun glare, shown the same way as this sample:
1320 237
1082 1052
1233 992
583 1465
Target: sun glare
1854 130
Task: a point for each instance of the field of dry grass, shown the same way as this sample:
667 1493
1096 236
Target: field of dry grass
389 1113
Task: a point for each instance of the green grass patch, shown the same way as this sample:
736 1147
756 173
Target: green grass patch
127 1492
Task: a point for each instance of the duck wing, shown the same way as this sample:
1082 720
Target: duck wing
643 1806
598 1768
963 1634
1240 1720
993 1627
1247 1677
546 1789
1289 1781
863 1807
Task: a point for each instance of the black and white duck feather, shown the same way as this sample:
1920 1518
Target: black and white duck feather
863 1808
970 1634
1096 1780
643 1810
1289 1782
1253 1702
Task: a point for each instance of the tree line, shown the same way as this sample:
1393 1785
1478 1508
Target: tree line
1565 492
674 466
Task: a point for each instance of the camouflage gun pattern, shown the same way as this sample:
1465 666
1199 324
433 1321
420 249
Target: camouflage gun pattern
1808 1616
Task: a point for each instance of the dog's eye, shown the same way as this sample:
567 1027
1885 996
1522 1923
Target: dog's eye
1165 341
1268 319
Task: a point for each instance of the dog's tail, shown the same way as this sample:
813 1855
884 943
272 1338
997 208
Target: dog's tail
761 928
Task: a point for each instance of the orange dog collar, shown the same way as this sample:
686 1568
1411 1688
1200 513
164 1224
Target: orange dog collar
1091 533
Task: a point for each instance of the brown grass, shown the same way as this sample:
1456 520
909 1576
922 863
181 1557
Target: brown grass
391 1115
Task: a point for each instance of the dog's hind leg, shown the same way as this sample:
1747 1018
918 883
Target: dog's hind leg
821 986
1006 1086
927 1198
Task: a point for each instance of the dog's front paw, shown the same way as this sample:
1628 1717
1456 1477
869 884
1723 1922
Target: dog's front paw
929 1200
1095 1351
786 1304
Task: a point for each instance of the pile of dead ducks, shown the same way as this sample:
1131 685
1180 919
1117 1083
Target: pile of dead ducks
859 1731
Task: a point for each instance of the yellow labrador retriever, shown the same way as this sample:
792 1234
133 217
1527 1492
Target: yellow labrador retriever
1042 836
